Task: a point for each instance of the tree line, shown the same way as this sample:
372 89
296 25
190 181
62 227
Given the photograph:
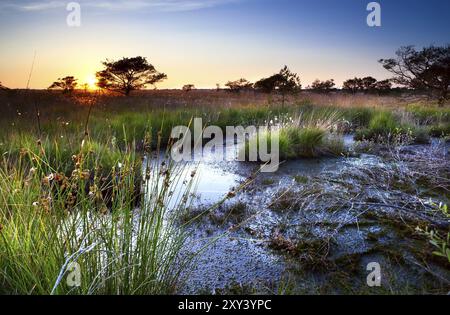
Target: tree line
3 87
426 70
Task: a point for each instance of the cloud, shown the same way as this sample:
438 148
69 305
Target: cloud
116 5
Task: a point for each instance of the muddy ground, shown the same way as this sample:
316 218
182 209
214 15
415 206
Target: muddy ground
315 225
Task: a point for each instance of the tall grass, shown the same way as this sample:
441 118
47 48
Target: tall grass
311 134
48 221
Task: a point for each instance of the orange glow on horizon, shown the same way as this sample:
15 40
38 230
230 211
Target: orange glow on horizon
91 82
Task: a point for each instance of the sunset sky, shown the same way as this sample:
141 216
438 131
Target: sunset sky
205 42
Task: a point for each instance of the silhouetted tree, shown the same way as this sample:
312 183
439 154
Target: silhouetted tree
270 84
284 82
188 87
368 84
427 69
67 84
353 85
128 74
383 86
239 85
323 86
290 83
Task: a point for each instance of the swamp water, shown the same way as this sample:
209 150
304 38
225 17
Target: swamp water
313 226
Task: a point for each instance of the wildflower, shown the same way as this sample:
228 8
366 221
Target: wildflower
46 180
93 189
32 171
85 175
45 202
71 199
59 177
104 210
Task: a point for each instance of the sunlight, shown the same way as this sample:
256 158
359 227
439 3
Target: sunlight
91 82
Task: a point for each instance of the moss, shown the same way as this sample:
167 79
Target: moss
268 182
300 179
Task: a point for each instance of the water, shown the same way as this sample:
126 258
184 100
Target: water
242 256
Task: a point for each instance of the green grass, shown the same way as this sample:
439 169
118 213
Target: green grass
71 197
427 114
49 220
384 126
303 142
308 136
441 130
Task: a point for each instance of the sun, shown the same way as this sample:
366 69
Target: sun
91 82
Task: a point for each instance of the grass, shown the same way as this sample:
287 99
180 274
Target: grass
74 192
310 135
49 221
427 114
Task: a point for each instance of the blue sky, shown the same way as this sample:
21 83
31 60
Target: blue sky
205 42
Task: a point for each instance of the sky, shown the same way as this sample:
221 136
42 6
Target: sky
205 42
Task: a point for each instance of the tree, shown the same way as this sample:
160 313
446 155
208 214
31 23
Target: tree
128 74
284 82
323 86
239 85
2 87
290 83
270 84
383 86
353 85
188 87
67 84
428 69
368 84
